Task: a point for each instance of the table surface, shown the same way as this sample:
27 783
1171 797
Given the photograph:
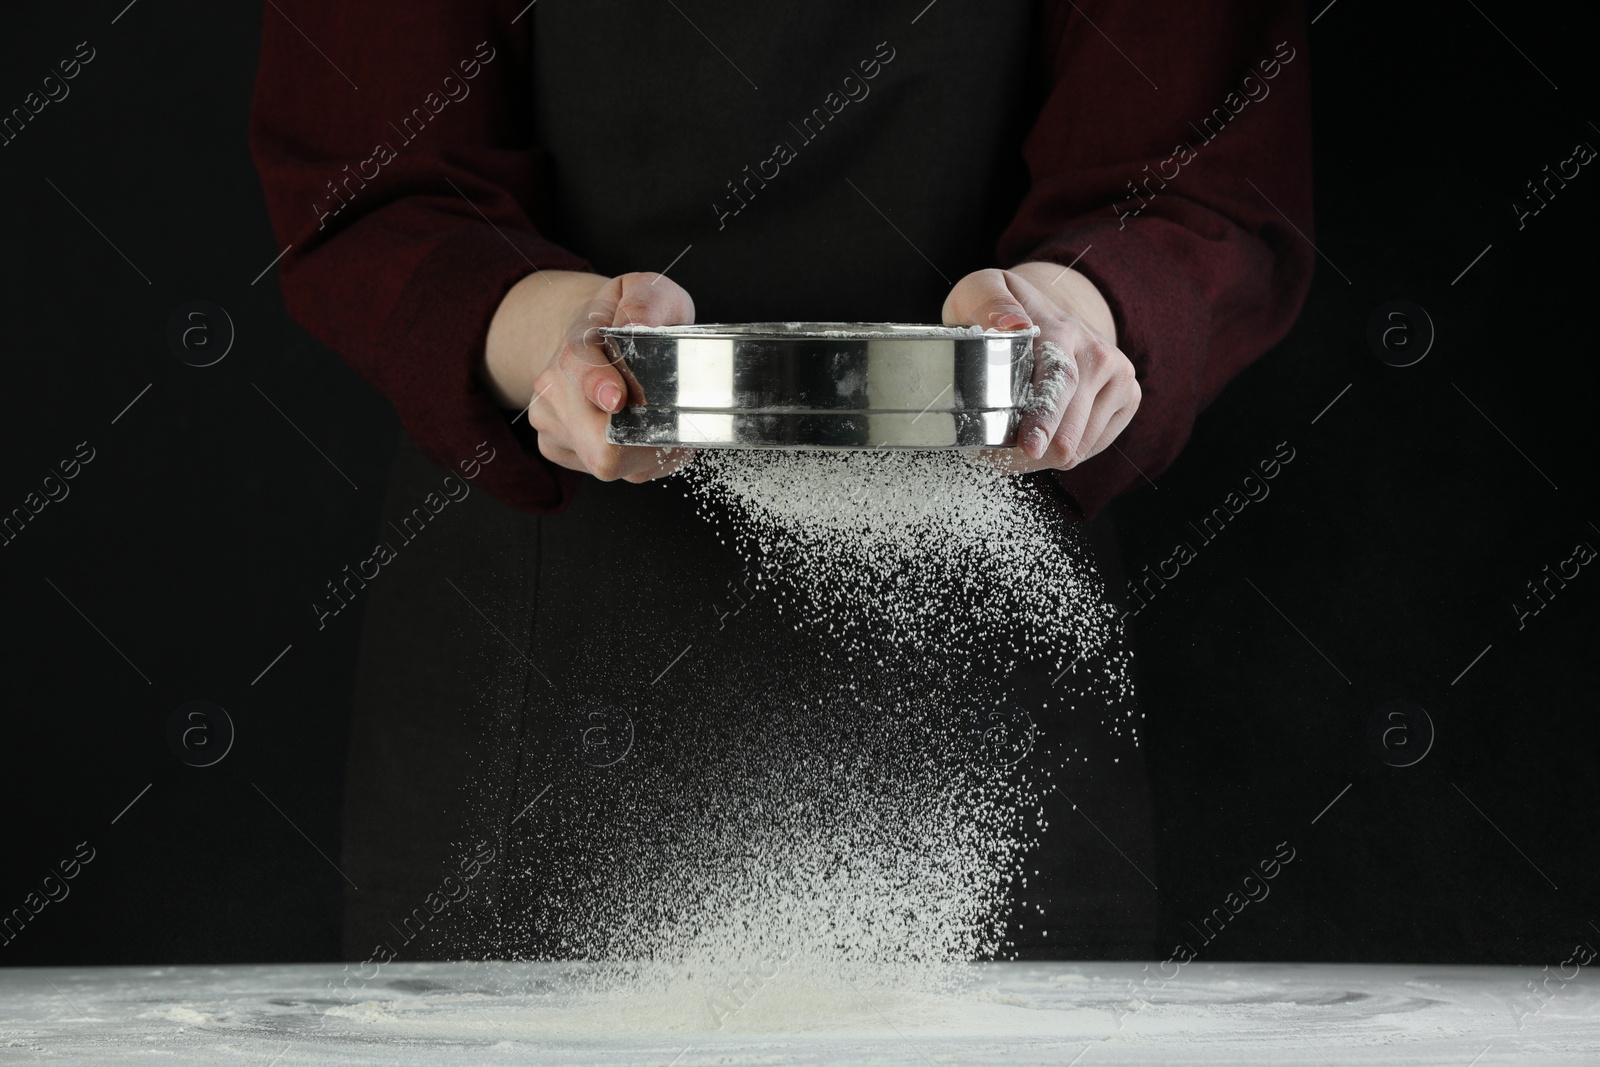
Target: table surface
1009 1013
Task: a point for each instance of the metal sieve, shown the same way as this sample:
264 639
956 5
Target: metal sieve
820 385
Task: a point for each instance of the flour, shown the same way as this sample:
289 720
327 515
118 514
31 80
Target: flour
844 830
853 845
1019 1015
932 551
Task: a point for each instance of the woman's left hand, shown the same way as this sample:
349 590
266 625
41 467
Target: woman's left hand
1085 390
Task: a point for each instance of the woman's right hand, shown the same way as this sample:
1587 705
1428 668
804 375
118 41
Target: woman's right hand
572 390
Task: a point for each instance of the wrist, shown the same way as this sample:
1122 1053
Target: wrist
528 329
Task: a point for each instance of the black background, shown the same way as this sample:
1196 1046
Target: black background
1386 558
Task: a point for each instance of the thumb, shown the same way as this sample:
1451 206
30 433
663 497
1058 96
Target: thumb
648 299
636 299
644 299
984 299
586 361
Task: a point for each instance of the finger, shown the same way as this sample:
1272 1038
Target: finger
586 363
564 418
610 463
1055 384
542 408
1063 451
667 461
572 433
587 384
984 298
1014 461
631 300
542 387
1119 422
559 454
1104 369
1119 396
586 427
1005 460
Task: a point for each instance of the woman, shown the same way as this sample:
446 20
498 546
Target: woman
468 189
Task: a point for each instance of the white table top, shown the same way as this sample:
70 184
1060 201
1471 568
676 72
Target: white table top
1012 1014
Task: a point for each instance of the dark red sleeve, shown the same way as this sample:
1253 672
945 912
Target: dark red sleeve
1208 274
394 144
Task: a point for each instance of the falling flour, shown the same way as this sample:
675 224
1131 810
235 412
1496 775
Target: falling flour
857 846
933 552
848 825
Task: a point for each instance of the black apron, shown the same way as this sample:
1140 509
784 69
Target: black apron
516 669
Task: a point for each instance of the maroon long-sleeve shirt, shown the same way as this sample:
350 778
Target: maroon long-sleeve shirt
421 157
